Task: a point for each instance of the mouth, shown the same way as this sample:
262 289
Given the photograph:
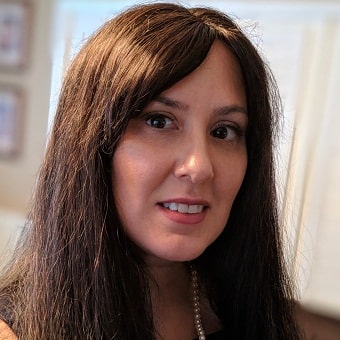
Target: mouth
184 208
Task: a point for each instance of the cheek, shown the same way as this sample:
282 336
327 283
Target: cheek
228 186
135 172
232 171
135 159
128 168
238 176
124 177
230 181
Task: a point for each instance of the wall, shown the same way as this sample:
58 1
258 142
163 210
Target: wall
302 42
17 174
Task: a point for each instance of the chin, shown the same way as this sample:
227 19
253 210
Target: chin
182 256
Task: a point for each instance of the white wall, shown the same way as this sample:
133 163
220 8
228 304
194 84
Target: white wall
17 175
11 223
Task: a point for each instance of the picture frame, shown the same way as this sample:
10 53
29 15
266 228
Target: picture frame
11 116
14 34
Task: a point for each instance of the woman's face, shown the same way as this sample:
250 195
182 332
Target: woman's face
181 162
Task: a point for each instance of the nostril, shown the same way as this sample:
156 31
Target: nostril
195 164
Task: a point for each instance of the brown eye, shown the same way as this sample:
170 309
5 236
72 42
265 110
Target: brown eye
159 121
221 132
226 132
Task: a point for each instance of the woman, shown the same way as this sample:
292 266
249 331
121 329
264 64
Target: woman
155 215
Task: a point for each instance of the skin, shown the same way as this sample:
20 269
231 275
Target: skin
5 332
173 153
187 146
182 156
316 326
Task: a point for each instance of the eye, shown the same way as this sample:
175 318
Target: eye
159 121
226 132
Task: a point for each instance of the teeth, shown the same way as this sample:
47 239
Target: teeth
184 208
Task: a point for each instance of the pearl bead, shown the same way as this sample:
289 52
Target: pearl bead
196 304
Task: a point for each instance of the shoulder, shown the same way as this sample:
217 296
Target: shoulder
5 332
317 327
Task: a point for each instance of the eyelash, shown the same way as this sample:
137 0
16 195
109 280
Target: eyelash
152 116
235 130
168 122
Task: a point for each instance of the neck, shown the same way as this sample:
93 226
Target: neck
171 296
169 278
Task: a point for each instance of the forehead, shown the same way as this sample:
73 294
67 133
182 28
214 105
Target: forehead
218 79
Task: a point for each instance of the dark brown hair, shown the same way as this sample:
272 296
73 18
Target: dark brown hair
75 274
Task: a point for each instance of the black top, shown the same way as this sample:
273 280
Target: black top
220 335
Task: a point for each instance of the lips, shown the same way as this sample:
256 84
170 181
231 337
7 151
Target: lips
184 211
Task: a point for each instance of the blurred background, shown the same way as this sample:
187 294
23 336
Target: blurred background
300 41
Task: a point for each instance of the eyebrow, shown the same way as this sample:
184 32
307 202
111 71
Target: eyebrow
171 103
225 110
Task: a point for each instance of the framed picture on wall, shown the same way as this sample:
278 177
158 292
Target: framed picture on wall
14 33
10 120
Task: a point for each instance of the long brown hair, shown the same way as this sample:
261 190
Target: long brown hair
75 274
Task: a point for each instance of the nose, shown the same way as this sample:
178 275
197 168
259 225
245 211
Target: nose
194 162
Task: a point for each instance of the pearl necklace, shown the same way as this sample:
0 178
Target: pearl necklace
196 304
